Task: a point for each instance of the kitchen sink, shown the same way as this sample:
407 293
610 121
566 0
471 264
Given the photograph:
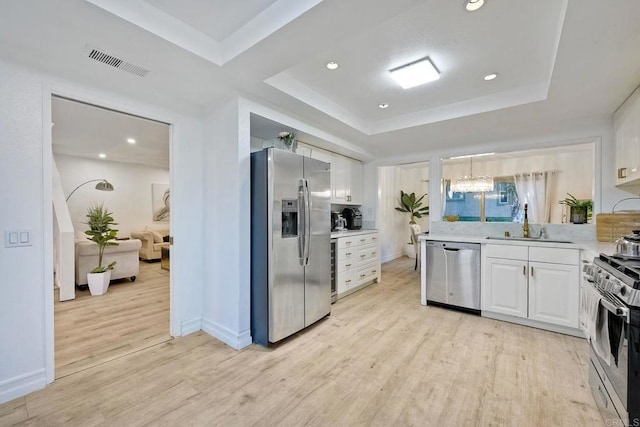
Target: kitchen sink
526 239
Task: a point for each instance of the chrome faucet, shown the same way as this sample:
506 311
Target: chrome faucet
525 224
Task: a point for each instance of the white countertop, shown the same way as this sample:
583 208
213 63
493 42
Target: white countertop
349 233
593 246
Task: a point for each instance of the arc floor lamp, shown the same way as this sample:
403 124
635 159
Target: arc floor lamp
103 185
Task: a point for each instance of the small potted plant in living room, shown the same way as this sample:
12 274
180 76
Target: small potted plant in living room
579 210
412 205
101 231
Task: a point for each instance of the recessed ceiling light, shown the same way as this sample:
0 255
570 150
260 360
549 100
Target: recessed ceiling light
416 73
472 5
131 140
383 105
332 65
490 76
102 155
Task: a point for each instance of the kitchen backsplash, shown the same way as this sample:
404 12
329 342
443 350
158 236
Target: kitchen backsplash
571 232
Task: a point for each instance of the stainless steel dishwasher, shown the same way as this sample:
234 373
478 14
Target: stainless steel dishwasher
453 274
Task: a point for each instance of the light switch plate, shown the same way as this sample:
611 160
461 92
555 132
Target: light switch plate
17 238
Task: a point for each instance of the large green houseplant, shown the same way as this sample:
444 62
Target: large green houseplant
580 210
409 204
101 231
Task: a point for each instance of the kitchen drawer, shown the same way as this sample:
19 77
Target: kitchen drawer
347 264
346 280
507 251
367 273
348 242
367 253
554 255
347 254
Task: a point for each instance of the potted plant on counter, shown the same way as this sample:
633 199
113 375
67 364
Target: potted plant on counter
100 222
580 210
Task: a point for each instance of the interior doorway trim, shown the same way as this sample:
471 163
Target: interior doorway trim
111 102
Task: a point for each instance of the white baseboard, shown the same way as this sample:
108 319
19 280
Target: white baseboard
22 385
191 326
391 257
534 324
226 335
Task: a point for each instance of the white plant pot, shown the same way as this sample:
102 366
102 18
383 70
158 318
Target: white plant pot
99 282
410 251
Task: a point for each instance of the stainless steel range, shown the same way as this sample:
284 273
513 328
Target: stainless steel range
614 371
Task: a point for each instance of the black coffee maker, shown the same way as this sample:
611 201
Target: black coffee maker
353 217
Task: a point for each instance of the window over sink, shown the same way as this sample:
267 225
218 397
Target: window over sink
541 178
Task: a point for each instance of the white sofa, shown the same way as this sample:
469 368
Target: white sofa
125 254
152 242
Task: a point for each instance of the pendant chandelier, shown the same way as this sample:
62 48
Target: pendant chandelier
471 184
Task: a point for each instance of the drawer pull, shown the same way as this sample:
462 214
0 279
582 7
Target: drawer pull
348 254
347 265
347 281
347 243
363 240
373 253
374 271
362 256
363 275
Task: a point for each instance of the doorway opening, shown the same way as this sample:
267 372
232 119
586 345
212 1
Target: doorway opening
128 156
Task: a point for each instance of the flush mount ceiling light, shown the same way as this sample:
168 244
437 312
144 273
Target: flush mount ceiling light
131 140
416 73
383 105
102 155
472 5
332 65
490 77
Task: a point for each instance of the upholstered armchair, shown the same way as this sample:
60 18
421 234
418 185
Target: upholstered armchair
152 242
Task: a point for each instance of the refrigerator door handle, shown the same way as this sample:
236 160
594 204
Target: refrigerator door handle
302 221
307 222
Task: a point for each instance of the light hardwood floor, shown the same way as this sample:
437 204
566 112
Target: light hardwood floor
379 359
131 316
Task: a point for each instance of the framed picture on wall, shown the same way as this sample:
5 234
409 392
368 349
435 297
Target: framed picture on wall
160 202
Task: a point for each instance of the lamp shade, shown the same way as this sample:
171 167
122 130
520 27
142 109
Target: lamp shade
104 185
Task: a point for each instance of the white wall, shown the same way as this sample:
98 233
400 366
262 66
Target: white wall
393 225
26 287
130 201
227 183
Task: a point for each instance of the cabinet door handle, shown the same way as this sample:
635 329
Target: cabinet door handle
524 270
531 271
622 173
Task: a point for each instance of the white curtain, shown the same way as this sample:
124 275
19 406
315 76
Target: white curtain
537 190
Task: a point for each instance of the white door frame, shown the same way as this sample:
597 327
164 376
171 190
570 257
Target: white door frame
116 103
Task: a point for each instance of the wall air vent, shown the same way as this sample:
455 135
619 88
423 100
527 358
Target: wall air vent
118 63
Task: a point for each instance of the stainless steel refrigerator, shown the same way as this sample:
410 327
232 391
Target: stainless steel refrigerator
290 243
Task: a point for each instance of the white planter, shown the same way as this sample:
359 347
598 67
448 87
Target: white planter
410 251
99 282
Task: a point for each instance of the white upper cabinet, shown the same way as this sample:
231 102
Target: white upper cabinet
627 130
347 175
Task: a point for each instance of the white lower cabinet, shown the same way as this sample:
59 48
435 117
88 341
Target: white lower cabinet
505 287
536 283
554 293
358 262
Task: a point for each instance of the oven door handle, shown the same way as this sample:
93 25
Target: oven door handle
620 311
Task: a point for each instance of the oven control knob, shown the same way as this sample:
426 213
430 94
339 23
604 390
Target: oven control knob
623 290
614 286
